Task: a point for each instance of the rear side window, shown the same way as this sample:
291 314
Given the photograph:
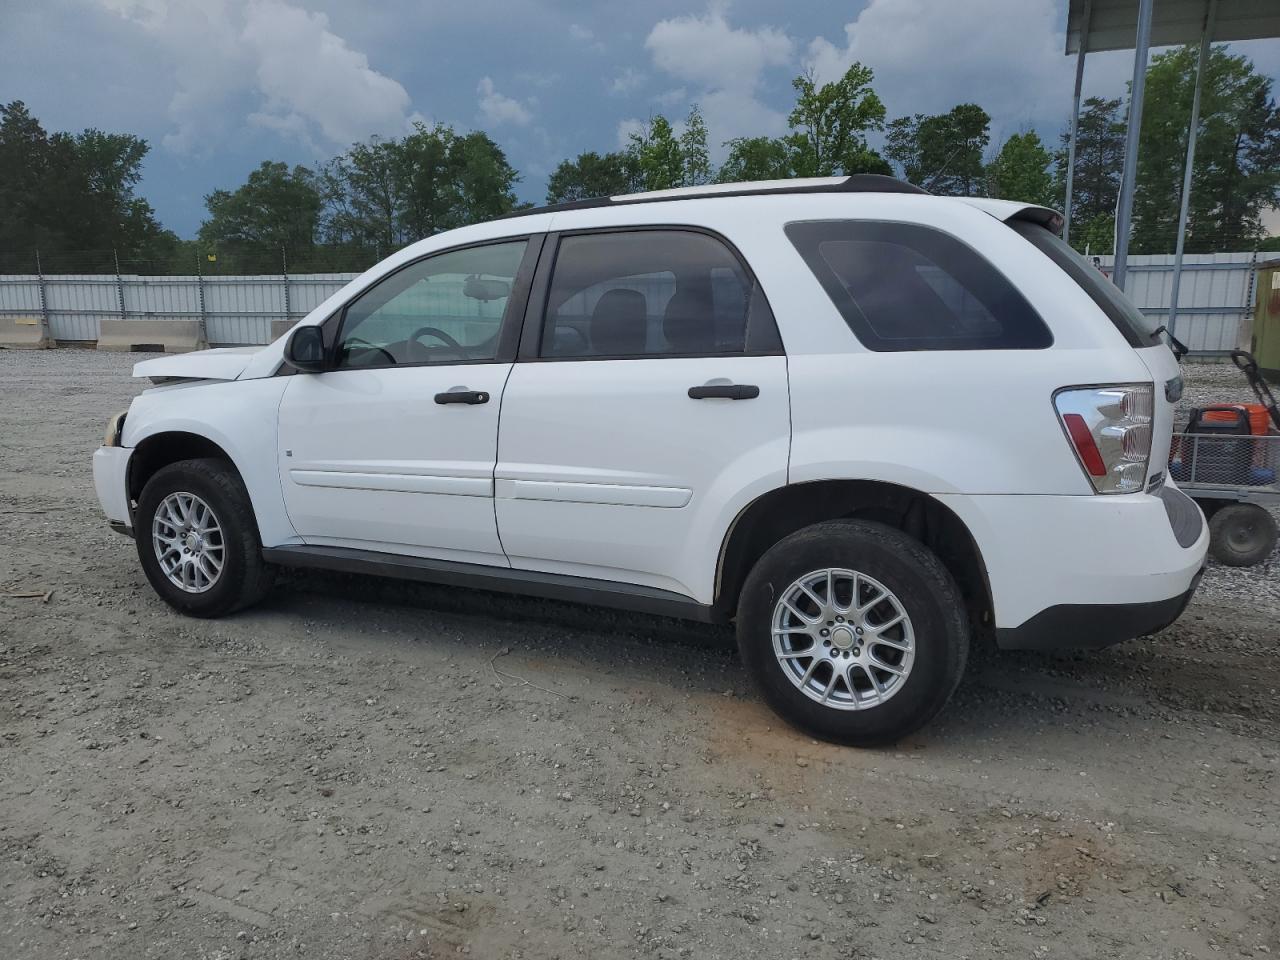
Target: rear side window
902 286
649 293
1128 319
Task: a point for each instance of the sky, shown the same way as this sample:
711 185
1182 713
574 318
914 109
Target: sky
217 86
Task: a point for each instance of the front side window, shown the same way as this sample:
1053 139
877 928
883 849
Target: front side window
646 293
902 286
445 309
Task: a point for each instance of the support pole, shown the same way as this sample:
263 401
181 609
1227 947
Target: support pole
1124 204
119 283
284 265
204 319
1085 17
45 329
1202 64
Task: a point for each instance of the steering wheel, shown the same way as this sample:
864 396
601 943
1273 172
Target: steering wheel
361 342
438 334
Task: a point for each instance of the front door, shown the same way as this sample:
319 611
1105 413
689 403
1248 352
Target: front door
393 448
652 405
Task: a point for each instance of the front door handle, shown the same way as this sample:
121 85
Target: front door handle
725 391
462 395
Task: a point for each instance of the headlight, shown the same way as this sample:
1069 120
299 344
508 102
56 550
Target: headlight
115 426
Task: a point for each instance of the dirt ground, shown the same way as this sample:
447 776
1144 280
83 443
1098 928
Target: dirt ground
359 769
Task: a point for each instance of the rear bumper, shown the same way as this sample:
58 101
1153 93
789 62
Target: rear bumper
1085 571
1073 626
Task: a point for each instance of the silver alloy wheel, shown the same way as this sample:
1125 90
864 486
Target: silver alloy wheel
188 542
843 638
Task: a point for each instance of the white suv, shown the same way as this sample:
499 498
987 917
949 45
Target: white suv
861 421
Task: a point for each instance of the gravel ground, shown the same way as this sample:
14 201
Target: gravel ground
360 769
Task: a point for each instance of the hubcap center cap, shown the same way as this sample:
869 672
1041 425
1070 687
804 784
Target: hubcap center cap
842 638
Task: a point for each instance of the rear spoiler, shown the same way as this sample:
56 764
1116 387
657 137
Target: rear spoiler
1051 220
1010 210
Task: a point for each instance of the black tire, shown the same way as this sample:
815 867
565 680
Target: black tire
1241 534
928 594
244 578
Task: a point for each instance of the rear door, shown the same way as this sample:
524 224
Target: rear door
651 395
393 449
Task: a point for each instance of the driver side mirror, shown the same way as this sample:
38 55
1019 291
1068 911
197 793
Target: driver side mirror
305 350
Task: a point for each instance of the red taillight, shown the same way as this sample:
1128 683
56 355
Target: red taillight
1088 451
1109 427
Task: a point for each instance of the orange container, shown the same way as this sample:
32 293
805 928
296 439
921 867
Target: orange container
1259 418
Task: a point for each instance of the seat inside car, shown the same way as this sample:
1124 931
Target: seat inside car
618 324
688 323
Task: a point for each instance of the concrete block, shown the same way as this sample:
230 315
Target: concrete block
159 335
23 333
280 327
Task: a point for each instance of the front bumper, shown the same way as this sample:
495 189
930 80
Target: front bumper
111 481
1075 626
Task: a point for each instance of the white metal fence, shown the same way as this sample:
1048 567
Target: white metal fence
1215 302
235 310
1213 317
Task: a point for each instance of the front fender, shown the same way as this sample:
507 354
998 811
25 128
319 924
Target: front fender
240 417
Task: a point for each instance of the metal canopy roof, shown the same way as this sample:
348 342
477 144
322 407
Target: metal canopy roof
1114 23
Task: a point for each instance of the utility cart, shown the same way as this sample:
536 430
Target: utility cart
1227 459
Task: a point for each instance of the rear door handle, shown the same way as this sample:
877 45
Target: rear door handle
724 391
459 395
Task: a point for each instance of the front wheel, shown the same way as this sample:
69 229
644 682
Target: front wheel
853 631
198 540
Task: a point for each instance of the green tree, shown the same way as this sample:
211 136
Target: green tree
72 197
276 209
1236 174
591 175
484 179
363 192
657 155
756 158
943 152
1096 182
385 193
830 123
694 155
1020 171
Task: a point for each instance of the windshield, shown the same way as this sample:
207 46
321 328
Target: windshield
1137 329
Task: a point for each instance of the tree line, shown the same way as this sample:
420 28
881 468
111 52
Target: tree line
64 193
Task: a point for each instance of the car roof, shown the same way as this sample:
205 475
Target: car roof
861 183
857 183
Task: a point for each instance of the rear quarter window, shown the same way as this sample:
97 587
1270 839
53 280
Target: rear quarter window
1136 328
903 286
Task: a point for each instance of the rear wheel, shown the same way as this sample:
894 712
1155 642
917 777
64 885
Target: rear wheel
854 631
198 540
1241 534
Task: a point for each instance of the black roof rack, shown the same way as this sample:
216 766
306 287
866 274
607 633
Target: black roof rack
857 183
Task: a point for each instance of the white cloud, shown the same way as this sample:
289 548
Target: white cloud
725 64
498 108
708 51
306 72
626 128
628 81
586 36
1013 66
276 65
672 98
